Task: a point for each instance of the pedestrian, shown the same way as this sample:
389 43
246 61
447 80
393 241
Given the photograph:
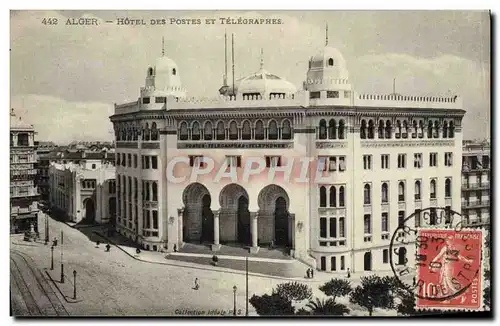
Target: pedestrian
196 284
175 247
54 243
137 251
312 273
108 247
348 273
308 272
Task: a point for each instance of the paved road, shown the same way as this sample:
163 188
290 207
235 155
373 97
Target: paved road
113 283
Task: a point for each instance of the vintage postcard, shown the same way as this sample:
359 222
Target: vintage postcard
249 163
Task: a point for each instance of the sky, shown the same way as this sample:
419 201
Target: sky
65 79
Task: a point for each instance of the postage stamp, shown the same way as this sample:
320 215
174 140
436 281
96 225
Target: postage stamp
449 269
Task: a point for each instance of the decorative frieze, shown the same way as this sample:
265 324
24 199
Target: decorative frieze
331 144
126 144
146 145
239 144
304 130
407 143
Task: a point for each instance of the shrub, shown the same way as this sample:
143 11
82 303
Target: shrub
336 288
294 291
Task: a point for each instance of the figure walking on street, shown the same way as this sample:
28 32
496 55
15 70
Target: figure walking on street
196 284
348 273
308 273
108 247
312 273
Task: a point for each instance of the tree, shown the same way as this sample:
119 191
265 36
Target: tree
294 291
336 288
327 307
272 305
374 292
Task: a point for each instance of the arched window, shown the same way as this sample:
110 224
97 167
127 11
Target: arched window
385 193
436 129
381 129
332 129
445 129
246 132
147 132
433 189
451 130
330 62
429 130
388 130
367 195
221 131
174 72
286 130
417 190
447 187
183 132
341 196
195 131
421 131
371 129
398 129
401 191
415 129
322 129
150 71
155 191
333 196
362 130
233 130
207 131
322 196
259 130
154 131
341 129
405 129
273 130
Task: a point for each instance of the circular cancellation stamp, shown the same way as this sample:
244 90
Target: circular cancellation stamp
440 260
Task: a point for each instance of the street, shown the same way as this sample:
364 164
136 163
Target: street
114 284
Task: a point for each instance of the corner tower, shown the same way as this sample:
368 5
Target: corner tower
328 72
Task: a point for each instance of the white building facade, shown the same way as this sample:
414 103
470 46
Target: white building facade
382 157
83 192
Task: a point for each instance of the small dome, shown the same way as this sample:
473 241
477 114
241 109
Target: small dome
328 56
164 63
16 123
264 83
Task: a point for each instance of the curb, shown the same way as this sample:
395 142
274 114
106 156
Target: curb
66 298
219 269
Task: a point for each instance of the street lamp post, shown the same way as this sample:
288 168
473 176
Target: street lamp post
234 300
74 284
246 281
62 265
46 229
52 258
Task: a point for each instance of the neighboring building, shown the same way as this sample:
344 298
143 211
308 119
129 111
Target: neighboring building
23 192
388 157
84 191
476 176
43 149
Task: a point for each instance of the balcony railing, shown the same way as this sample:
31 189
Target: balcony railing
476 221
476 204
476 186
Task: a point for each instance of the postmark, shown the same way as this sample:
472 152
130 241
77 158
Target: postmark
433 255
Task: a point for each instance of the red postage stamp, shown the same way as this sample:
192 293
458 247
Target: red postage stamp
449 269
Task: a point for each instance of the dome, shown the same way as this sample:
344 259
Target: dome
16 123
164 63
264 83
327 57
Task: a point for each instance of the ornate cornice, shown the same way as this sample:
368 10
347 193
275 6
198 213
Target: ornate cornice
407 143
126 144
304 130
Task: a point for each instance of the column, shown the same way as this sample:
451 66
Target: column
180 225
291 233
216 246
255 232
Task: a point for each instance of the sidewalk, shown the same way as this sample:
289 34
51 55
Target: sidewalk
198 261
